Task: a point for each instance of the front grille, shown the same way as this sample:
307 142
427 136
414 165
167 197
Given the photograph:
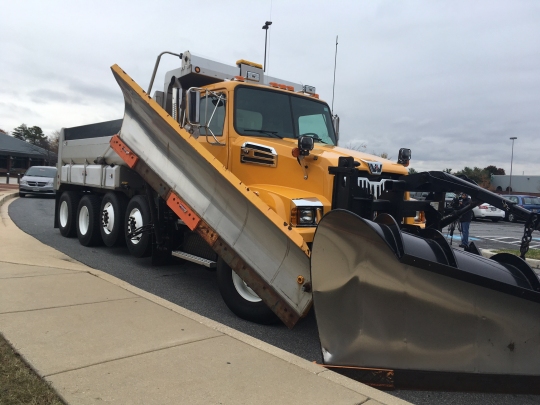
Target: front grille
258 154
37 183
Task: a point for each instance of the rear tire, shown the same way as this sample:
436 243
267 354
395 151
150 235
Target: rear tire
240 299
67 211
88 220
22 195
112 216
137 215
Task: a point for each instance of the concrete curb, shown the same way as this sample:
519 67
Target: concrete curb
373 395
8 196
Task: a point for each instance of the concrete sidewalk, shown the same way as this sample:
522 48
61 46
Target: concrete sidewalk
98 339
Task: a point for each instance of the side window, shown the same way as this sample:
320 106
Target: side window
514 199
212 112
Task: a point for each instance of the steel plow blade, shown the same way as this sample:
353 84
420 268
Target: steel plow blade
436 316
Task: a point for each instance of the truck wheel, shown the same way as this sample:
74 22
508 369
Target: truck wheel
113 211
137 215
88 220
240 298
67 211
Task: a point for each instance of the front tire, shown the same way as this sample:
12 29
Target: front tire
241 299
138 215
88 220
112 213
67 211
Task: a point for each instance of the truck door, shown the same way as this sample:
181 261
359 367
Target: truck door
214 136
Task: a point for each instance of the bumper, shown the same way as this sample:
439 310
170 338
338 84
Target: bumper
490 214
47 190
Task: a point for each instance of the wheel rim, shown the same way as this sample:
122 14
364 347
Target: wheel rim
84 220
135 221
64 214
107 218
242 288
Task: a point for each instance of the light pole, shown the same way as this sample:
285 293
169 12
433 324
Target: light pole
513 138
265 27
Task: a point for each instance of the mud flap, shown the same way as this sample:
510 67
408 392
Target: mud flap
387 299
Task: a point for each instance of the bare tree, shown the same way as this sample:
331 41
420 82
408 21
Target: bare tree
54 139
359 147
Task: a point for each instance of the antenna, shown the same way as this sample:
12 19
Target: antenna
334 85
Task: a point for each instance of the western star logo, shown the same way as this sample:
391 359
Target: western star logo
375 167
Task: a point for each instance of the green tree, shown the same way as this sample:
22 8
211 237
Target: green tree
494 170
412 170
480 176
33 135
448 170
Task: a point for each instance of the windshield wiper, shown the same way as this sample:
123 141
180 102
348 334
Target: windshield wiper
264 131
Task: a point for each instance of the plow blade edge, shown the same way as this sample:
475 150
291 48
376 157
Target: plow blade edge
388 299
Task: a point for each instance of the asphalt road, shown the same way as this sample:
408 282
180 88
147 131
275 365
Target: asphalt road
195 288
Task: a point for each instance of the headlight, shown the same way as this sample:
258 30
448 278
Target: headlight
50 182
307 212
306 216
24 182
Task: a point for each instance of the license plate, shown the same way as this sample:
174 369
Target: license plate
534 210
35 189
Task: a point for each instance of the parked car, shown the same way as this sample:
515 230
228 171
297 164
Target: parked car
449 202
487 211
38 180
419 195
529 202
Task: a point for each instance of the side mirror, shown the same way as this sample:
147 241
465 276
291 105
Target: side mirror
305 144
404 156
194 103
335 122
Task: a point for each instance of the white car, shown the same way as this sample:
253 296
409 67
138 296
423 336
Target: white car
487 211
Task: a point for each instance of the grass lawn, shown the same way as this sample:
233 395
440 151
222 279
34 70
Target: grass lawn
531 254
19 384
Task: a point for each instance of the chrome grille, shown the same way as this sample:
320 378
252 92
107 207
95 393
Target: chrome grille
255 153
37 183
375 187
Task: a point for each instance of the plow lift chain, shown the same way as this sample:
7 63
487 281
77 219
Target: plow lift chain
351 194
530 225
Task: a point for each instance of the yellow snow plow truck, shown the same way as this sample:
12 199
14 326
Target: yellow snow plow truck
241 172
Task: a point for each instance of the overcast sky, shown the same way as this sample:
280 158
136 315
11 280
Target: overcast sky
451 80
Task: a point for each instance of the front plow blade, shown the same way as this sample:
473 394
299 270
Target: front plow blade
437 317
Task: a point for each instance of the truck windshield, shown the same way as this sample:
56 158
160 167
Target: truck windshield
262 112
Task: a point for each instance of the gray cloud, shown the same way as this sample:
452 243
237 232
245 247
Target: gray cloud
452 80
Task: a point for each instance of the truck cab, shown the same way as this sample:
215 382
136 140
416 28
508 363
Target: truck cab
277 137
